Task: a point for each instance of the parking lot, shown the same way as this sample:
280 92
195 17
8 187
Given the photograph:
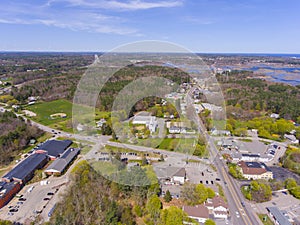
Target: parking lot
34 201
283 201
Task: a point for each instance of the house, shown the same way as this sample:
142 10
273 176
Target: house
8 191
149 121
24 171
61 163
100 122
217 207
216 132
255 170
173 175
54 148
277 216
274 116
174 130
179 176
198 212
291 138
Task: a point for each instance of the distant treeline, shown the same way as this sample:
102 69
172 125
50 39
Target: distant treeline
247 93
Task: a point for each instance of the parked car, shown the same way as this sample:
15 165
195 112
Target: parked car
46 199
50 193
22 199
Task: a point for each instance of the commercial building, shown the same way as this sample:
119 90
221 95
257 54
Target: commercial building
8 191
170 174
24 171
255 170
61 163
277 216
54 148
149 121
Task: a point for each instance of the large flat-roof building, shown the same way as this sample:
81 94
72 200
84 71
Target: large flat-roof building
7 191
277 216
54 148
24 171
61 163
255 170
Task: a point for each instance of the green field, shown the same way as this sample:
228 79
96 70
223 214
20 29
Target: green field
44 110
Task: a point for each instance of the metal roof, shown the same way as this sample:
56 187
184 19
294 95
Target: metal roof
55 147
278 215
61 163
26 167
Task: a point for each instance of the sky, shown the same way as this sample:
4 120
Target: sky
205 26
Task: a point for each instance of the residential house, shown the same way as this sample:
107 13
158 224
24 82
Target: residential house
217 207
198 212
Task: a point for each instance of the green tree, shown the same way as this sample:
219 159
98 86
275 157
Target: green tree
153 207
168 196
209 222
172 216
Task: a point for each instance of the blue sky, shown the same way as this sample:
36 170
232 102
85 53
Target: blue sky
249 26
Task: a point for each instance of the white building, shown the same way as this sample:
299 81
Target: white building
149 121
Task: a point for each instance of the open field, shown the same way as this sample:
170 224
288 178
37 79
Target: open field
44 110
58 114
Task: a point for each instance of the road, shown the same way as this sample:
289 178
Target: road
231 190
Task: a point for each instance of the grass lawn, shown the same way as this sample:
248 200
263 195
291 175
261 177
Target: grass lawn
44 110
267 222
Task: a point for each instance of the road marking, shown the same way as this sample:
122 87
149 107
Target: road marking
235 197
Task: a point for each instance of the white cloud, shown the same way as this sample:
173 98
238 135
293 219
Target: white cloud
69 18
200 21
121 5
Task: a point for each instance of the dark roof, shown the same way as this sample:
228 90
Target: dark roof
6 188
54 147
278 215
251 155
61 163
25 167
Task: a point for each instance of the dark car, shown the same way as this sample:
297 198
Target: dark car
22 199
46 199
13 210
50 193
243 204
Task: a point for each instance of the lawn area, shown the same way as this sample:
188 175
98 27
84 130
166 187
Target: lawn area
265 219
44 110
49 114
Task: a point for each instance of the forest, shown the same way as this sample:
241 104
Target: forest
111 203
249 94
15 135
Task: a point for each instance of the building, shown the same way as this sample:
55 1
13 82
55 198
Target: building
149 121
291 138
277 216
170 174
255 170
198 212
61 163
174 130
179 176
54 148
217 207
24 171
8 191
236 157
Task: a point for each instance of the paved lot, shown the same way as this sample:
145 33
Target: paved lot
282 174
284 202
34 200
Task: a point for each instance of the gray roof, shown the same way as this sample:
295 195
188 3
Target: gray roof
55 147
278 215
61 163
168 172
26 167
